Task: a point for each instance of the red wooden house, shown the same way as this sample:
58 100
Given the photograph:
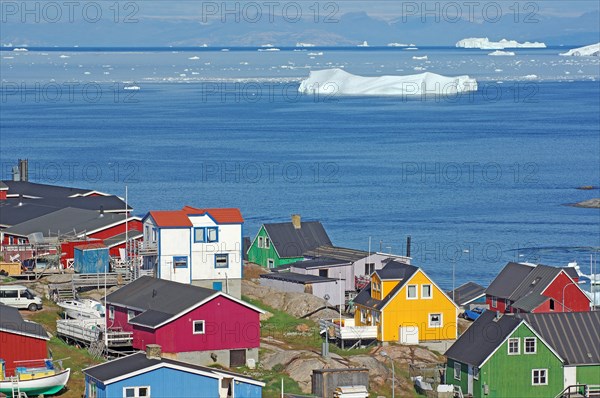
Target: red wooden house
20 340
533 288
191 323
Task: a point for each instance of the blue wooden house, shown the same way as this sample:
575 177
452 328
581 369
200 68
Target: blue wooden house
147 375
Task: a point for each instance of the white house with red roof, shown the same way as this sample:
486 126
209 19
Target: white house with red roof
202 247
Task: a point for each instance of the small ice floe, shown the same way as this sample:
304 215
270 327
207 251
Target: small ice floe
195 57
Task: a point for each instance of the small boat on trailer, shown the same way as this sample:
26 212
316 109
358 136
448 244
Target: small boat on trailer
36 378
83 308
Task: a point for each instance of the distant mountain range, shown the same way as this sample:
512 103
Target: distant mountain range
350 29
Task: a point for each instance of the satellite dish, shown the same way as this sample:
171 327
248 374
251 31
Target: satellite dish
326 297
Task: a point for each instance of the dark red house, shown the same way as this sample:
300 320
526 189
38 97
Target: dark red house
20 340
529 288
191 323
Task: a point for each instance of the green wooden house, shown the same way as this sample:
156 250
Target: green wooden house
526 355
279 244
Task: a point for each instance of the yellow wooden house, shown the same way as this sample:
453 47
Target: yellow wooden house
406 306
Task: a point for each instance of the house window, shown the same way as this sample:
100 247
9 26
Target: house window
475 372
551 305
111 312
180 262
494 302
456 371
261 243
514 346
136 392
363 316
130 314
198 327
270 263
539 377
411 292
324 272
154 234
147 234
221 260
376 317
435 320
376 286
212 234
267 243
426 291
530 344
508 304
369 268
199 235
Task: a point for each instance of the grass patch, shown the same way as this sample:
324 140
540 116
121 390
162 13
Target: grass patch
73 357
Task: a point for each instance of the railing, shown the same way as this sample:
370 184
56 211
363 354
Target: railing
580 390
347 331
119 338
148 248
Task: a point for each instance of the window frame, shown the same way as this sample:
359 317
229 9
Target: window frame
416 287
261 242
136 391
111 312
430 297
525 339
199 321
130 315
207 234
475 372
541 373
494 301
179 259
270 263
518 340
267 243
430 325
457 375
363 316
203 239
226 255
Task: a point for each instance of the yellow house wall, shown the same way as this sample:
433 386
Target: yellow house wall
375 280
403 312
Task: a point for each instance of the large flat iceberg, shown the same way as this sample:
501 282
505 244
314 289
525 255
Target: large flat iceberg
339 82
592 50
485 44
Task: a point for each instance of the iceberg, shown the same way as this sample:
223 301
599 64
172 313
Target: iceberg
592 50
485 44
20 49
339 82
418 58
499 53
300 44
397 45
364 44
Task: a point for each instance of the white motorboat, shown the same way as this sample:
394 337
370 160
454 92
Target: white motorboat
84 308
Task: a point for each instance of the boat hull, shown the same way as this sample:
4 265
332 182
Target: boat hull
48 385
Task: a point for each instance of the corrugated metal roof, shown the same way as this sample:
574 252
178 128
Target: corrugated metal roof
336 252
482 338
396 270
530 302
466 293
508 279
294 242
147 293
12 321
535 282
28 188
575 336
319 262
297 278
67 221
138 362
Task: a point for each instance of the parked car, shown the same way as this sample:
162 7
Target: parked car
473 314
19 296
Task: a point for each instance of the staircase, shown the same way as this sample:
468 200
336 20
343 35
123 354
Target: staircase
15 389
580 391
458 392
97 348
62 291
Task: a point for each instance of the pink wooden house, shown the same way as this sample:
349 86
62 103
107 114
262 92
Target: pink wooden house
190 323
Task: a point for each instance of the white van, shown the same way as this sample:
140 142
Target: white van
19 296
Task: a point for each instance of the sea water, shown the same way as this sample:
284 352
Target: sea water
476 180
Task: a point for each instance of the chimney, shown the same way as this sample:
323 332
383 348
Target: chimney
101 212
24 170
296 221
408 246
15 174
153 351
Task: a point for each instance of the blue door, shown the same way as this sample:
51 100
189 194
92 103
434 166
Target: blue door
218 286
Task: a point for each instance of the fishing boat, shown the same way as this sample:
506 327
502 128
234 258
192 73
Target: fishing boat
84 308
38 378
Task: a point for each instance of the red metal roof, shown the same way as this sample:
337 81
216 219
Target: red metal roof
171 218
179 218
221 216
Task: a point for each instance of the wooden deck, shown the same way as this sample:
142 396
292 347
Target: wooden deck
347 334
